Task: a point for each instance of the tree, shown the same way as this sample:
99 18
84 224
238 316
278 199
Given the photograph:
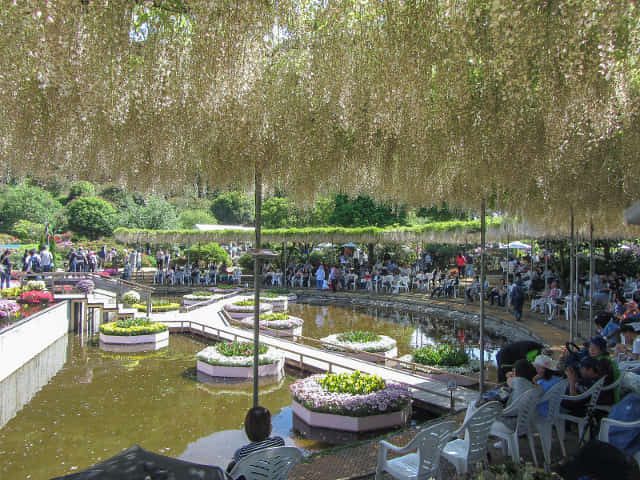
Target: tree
29 203
189 218
278 212
362 211
81 189
91 216
208 253
233 208
27 231
321 212
152 212
116 194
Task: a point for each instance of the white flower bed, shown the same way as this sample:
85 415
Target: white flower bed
385 344
36 285
211 356
288 324
202 298
238 312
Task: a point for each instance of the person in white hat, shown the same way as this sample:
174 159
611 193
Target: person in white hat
546 377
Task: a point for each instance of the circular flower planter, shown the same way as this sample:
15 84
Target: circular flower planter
214 364
278 304
383 347
388 407
134 338
193 299
238 312
289 327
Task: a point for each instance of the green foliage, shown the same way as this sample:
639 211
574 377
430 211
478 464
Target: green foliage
28 231
131 297
233 208
358 336
188 218
239 349
440 214
278 212
245 303
116 194
209 253
91 216
246 262
321 213
132 327
354 383
202 294
30 203
81 189
362 211
441 355
269 317
13 292
157 307
6 239
152 212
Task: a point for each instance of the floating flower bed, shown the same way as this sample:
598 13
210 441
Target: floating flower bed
282 324
279 302
225 289
158 307
235 360
354 402
244 308
133 335
363 343
198 297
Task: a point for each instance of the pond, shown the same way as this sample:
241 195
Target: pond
94 404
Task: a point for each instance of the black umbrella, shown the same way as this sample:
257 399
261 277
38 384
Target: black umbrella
136 463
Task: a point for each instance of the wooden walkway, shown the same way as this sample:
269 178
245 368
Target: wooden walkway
210 322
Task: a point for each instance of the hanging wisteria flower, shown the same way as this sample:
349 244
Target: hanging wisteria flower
311 394
361 341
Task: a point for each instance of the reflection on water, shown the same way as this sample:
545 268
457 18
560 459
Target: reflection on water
18 388
100 403
410 330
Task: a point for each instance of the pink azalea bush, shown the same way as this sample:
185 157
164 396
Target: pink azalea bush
312 395
35 297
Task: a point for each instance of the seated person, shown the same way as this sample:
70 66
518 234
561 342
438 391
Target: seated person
580 380
510 353
473 290
607 324
546 377
498 294
630 350
257 425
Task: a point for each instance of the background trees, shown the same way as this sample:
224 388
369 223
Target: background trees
92 217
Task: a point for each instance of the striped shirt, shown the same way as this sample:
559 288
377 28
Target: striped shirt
255 446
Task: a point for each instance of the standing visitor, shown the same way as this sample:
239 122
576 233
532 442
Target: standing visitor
102 257
159 259
5 270
320 277
517 297
460 263
46 259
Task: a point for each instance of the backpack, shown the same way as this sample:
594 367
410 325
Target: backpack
35 264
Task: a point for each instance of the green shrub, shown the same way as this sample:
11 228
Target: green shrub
354 383
92 217
132 327
33 203
245 303
239 349
358 336
208 253
131 297
246 262
28 231
441 355
81 189
269 317
189 218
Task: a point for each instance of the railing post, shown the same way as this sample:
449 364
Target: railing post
149 304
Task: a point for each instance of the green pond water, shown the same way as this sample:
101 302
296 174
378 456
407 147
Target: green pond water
90 405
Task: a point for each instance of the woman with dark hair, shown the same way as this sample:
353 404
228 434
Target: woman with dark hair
257 425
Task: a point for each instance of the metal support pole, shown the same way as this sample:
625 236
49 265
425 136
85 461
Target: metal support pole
574 299
591 280
572 332
257 281
483 229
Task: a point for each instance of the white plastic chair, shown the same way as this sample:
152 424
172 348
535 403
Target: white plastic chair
545 425
467 452
592 394
403 284
607 423
421 465
611 386
525 406
267 464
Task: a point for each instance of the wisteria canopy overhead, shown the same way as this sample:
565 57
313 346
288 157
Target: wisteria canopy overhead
532 105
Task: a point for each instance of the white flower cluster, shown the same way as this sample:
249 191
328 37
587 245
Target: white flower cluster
287 324
36 285
231 307
202 298
211 356
383 345
131 297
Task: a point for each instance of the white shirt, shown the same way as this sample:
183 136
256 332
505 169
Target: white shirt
45 258
636 346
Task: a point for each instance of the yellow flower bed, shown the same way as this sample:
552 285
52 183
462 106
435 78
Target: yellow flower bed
129 328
